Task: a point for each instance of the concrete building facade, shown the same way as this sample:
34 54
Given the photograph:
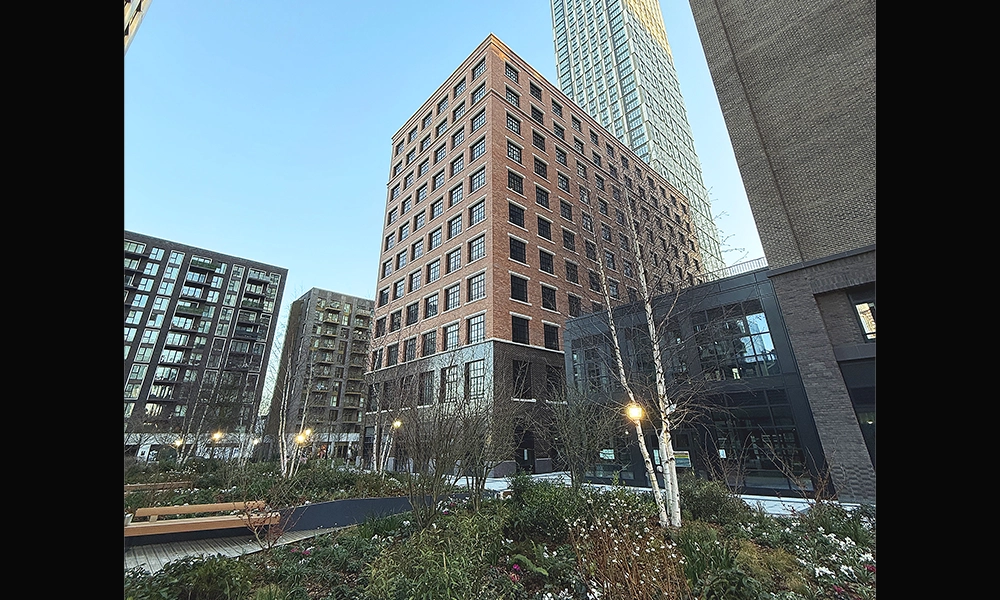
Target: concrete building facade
796 83
198 333
503 195
321 377
614 61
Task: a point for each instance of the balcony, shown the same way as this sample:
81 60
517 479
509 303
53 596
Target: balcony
258 275
194 311
207 265
246 334
252 304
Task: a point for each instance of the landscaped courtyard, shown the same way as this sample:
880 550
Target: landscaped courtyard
543 540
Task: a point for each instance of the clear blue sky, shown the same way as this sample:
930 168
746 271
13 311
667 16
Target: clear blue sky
263 129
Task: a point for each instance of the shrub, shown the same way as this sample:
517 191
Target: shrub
192 578
712 502
711 565
541 510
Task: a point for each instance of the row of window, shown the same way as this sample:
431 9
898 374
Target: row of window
434 239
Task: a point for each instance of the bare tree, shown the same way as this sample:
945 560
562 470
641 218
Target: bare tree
580 424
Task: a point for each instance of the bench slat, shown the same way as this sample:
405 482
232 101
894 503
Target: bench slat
200 524
154 511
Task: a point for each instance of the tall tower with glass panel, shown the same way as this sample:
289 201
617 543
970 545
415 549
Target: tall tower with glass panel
613 60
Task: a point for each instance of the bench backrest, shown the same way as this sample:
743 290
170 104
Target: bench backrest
187 509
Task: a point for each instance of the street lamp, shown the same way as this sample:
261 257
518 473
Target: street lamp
634 412
216 438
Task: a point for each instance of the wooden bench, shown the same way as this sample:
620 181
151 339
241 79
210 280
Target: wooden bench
251 515
163 485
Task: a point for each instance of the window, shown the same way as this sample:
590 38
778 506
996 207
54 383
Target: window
559 131
437 207
591 250
434 271
478 149
450 338
545 262
441 128
605 232
597 159
412 313
610 149
538 140
443 105
510 72
519 331
396 320
535 91
569 240
419 220
410 349
576 123
609 260
455 195
398 289
513 152
476 330
458 113
479 120
407 204
581 169
518 250
478 180
515 182
427 120
454 226
457 138
452 297
515 214
477 287
460 88
588 222
537 115
415 279
383 296
477 213
434 239
512 97
593 138
458 164
541 169
453 260
421 195
566 209
440 153
425 143
595 281
572 274
541 197
395 191
518 288
602 207
393 215
552 337
429 343
556 108
478 93
408 181
477 248
431 306
513 124
544 228
479 69
563 182
561 156
412 154
627 269
575 306
386 269
548 298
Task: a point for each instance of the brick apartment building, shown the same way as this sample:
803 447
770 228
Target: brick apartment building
502 197
796 84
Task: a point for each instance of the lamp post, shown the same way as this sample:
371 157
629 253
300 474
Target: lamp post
216 438
388 443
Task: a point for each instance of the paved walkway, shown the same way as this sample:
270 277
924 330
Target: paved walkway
152 557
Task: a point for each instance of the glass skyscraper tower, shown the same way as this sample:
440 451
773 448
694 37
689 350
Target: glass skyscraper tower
613 60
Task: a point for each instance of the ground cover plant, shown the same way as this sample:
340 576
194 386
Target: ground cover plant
552 542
